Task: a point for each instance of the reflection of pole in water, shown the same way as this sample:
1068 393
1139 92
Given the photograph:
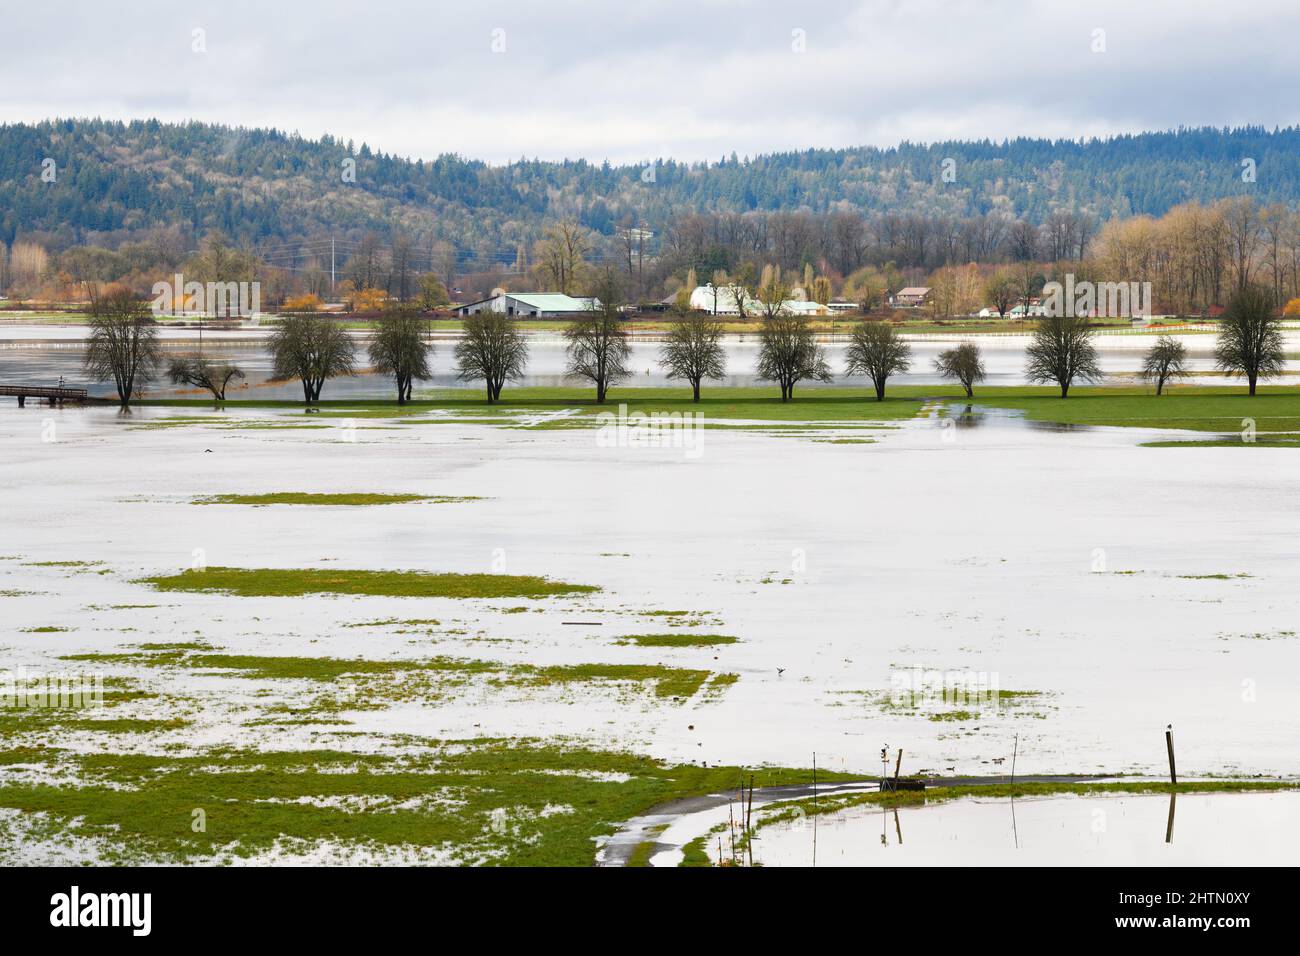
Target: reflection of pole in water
1014 832
898 828
884 824
1169 827
1015 751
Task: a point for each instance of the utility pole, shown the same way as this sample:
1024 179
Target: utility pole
640 260
331 267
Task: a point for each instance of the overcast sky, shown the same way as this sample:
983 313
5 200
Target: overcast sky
628 81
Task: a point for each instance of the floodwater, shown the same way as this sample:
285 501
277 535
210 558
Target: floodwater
1224 829
1118 589
43 354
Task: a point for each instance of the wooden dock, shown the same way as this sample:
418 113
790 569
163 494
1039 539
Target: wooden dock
54 394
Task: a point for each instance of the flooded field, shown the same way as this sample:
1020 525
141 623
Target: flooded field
1111 588
389 587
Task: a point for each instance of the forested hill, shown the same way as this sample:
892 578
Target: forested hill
115 180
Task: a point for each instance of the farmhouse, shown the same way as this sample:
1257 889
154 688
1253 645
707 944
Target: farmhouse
532 305
913 297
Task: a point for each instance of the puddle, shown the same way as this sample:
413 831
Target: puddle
1225 829
974 415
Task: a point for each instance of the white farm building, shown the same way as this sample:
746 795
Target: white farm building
722 301
532 305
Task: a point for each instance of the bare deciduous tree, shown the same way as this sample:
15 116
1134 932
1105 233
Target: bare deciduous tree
788 353
493 349
1001 290
123 342
401 348
597 342
1165 360
772 296
204 373
964 364
312 350
1250 337
561 255
694 351
1061 351
876 350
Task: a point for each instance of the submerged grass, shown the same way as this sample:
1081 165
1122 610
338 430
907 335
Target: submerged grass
296 582
669 682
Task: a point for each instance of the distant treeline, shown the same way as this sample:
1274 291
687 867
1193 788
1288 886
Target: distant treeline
85 201
114 180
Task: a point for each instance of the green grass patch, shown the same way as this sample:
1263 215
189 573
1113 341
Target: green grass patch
719 686
1225 443
669 681
326 668
296 582
676 640
953 715
1213 408
513 803
125 725
304 498
395 622
1197 407
641 853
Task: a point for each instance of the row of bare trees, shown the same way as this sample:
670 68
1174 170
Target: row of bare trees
1249 344
492 349
123 346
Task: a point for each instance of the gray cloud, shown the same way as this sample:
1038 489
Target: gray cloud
628 81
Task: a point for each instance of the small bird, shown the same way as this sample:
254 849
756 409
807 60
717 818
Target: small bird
780 671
